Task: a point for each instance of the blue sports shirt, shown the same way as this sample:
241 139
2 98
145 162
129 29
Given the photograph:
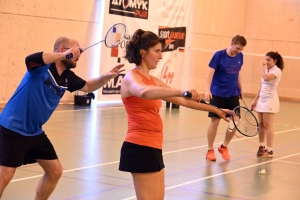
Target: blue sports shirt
225 79
37 96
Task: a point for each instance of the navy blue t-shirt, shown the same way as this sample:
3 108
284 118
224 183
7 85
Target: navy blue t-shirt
225 79
37 96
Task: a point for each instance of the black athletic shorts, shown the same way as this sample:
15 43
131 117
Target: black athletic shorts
140 159
17 150
224 102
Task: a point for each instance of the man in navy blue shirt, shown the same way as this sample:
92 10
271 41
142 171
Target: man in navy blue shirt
223 89
22 139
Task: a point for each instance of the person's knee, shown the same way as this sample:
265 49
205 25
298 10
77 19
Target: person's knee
6 174
268 129
267 126
215 121
58 171
261 125
55 173
4 180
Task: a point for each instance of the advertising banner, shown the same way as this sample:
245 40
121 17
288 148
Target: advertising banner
169 19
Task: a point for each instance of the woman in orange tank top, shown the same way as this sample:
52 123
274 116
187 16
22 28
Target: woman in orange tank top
141 93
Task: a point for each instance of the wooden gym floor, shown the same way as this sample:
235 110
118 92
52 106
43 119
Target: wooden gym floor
88 142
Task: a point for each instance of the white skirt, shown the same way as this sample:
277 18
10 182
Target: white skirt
268 104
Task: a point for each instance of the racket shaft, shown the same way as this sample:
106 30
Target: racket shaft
92 45
188 95
71 55
243 119
113 37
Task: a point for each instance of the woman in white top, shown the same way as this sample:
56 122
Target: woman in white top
267 101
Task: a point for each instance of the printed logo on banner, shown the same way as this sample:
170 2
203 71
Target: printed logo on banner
174 37
113 86
167 72
130 8
114 52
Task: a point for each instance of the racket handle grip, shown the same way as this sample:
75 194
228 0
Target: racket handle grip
187 94
71 55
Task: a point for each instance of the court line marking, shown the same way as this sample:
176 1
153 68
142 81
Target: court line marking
88 109
220 174
114 104
115 162
231 171
297 163
68 170
118 106
234 140
245 53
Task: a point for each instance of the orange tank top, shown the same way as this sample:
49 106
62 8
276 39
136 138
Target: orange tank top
145 126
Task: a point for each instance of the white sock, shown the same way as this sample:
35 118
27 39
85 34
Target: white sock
269 149
262 144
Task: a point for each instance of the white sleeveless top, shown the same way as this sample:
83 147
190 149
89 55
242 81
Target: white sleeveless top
269 88
268 98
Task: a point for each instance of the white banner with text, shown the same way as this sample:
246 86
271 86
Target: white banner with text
169 19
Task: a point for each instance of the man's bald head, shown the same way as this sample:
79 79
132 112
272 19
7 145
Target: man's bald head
65 42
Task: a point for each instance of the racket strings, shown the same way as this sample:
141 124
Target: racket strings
250 119
114 35
245 121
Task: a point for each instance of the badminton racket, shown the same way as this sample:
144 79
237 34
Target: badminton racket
243 119
250 113
113 37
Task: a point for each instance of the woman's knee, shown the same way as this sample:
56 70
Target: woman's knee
267 126
149 185
261 125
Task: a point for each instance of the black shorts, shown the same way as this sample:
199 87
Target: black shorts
140 159
17 150
224 102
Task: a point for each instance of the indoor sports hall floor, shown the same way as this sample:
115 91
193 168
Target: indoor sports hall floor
88 142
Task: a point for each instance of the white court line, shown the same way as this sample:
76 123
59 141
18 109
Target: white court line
231 171
114 162
290 162
87 109
245 53
68 170
220 174
239 139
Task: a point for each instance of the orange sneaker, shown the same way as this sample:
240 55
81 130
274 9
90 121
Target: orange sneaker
224 152
210 155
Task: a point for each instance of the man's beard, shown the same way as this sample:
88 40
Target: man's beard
68 64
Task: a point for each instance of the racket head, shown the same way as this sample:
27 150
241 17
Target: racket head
245 121
114 35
